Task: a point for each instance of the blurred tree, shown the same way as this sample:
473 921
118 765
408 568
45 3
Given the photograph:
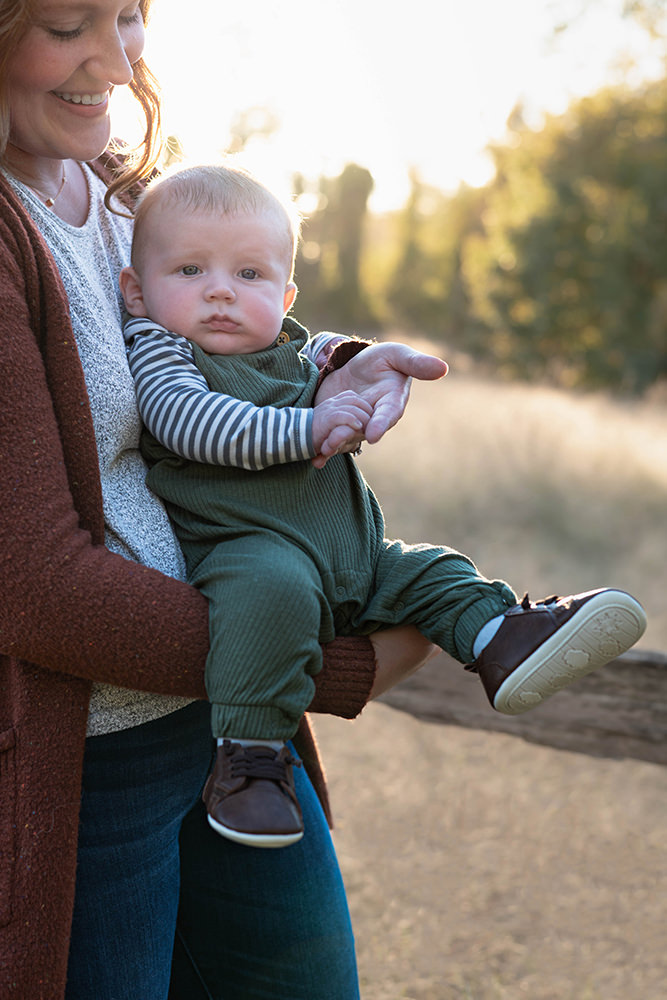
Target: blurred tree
349 205
329 260
407 292
558 267
426 291
650 14
570 273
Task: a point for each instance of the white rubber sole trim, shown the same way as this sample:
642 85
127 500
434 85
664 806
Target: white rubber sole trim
255 839
606 626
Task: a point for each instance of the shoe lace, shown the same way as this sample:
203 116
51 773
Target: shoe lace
526 603
258 762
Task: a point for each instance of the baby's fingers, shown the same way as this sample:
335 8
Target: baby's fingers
341 439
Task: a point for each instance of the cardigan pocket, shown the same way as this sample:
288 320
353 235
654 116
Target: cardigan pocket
7 822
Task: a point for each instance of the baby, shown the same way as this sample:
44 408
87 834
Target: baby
278 527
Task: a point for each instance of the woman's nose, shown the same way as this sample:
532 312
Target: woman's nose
115 54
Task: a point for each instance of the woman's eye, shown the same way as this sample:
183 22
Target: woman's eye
189 270
249 273
65 36
131 18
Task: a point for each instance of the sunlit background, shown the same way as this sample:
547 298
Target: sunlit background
543 454
527 247
386 85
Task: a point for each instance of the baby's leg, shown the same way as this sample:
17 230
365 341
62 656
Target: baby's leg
524 652
265 611
437 589
266 607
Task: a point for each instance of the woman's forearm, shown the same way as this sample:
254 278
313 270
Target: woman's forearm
357 670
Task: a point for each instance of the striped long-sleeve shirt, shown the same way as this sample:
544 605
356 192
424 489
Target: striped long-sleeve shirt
189 419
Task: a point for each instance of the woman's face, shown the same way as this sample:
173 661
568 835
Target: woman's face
63 72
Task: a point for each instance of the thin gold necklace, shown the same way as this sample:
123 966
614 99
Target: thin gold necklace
49 200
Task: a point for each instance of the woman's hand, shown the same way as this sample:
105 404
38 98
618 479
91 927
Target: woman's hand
382 375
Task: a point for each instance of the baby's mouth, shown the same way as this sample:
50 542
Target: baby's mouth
222 323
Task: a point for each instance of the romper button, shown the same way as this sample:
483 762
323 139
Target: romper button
340 591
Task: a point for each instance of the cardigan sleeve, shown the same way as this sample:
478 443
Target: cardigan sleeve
70 605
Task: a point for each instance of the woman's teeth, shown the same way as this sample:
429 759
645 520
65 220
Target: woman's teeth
81 98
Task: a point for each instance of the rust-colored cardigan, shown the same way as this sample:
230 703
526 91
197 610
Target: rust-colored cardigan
72 612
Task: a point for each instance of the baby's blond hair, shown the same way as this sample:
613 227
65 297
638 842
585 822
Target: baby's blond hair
217 188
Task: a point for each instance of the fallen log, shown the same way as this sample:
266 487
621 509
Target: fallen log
619 711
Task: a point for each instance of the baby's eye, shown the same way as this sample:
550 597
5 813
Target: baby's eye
189 270
249 273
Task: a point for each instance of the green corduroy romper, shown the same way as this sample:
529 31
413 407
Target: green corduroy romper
290 556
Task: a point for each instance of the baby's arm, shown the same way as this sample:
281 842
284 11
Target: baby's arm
181 411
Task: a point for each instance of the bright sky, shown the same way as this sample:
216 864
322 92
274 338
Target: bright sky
423 83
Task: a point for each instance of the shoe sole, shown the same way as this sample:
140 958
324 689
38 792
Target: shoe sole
255 839
603 628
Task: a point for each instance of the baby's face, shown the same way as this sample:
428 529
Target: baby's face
222 281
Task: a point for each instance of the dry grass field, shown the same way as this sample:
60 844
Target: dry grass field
482 867
479 866
554 492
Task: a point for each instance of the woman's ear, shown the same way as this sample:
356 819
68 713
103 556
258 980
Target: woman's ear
290 295
130 286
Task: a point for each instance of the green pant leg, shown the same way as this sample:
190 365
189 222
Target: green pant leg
267 613
438 590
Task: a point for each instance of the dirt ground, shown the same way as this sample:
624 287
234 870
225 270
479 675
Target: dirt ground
480 866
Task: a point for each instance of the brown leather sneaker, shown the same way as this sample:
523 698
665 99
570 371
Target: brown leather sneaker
250 797
544 646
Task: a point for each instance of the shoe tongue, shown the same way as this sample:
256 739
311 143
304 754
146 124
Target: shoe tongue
259 762
263 758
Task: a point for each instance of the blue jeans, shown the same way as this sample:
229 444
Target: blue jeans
166 909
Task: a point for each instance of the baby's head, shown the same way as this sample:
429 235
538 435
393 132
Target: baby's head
212 190
213 259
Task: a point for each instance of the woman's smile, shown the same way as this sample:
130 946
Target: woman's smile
87 100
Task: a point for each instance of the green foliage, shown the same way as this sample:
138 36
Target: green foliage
560 268
570 271
557 269
328 265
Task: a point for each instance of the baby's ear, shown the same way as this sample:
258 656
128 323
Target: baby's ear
290 295
130 286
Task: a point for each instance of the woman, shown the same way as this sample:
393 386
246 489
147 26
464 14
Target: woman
104 745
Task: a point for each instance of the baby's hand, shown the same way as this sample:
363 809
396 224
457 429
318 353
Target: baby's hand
338 425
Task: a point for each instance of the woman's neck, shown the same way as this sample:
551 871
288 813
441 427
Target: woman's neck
59 184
